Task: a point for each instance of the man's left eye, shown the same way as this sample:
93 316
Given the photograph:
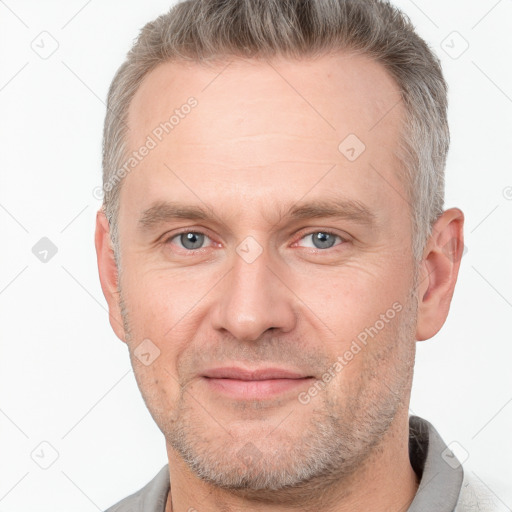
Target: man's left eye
321 239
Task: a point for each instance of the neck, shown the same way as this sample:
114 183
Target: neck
386 481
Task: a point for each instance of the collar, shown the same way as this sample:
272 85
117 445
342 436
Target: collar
440 472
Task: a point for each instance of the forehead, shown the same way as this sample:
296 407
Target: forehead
258 124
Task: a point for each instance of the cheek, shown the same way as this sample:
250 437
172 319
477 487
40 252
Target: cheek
351 299
164 313
158 302
372 355
158 386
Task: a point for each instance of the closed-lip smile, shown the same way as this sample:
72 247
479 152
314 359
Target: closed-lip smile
254 384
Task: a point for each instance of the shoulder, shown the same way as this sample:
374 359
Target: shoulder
475 496
151 498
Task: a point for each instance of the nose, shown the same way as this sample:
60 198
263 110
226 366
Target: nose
252 299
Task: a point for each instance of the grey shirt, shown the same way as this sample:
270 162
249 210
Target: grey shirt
444 487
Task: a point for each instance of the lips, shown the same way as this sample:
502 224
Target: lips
257 384
259 374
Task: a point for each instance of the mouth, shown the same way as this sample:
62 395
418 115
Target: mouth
258 384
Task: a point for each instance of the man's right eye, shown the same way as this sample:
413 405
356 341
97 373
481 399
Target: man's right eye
189 240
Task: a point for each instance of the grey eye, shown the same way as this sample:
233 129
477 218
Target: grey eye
191 240
323 240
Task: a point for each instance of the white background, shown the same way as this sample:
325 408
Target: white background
65 378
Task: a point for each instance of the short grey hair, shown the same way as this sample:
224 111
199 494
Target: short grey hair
215 30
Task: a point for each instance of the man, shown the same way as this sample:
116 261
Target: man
272 244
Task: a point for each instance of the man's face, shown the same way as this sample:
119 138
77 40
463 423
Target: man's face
269 279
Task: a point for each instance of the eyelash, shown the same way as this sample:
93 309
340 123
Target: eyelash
304 235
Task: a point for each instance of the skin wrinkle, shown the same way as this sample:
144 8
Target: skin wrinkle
164 211
348 447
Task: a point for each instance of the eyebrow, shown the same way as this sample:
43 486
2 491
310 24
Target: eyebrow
341 208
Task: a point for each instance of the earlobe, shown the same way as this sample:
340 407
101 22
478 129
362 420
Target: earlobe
108 273
438 272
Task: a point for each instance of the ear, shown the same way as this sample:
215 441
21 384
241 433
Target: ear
439 269
108 273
